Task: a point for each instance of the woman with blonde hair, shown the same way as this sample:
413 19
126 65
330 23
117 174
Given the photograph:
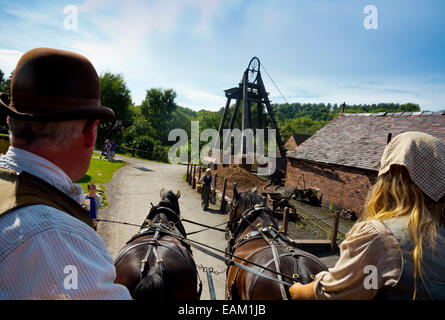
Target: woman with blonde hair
397 248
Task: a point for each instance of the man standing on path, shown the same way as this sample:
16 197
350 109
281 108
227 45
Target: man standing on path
207 183
49 248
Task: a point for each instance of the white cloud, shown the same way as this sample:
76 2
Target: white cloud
200 99
8 60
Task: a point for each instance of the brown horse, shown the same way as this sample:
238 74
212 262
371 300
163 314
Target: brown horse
254 235
154 265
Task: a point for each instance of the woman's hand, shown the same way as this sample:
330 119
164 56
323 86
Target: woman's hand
300 291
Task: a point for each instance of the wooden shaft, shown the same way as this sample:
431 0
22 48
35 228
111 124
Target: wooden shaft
260 115
223 198
233 194
263 94
216 177
285 220
191 174
194 177
221 125
234 114
334 232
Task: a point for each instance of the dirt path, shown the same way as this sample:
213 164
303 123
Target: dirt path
130 192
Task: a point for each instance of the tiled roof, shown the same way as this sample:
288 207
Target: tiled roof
358 139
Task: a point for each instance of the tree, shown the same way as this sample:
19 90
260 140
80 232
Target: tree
157 108
304 125
5 85
115 94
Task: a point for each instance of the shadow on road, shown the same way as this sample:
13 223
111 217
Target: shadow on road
143 169
214 211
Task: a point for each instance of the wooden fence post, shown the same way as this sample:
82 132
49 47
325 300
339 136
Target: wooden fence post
188 173
193 177
215 177
285 220
199 173
233 193
223 198
334 231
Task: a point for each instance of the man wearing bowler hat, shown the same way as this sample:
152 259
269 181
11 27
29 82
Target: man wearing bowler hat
49 249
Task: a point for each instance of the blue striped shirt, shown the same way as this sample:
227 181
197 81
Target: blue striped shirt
46 253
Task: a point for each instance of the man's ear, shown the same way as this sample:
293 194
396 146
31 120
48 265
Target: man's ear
90 133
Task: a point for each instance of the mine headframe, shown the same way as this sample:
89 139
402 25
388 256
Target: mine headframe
250 90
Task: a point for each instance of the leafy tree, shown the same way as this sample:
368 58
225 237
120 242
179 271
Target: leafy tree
115 94
157 108
5 85
304 125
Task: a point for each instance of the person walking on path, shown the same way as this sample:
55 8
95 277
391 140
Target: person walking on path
397 249
208 183
113 149
49 247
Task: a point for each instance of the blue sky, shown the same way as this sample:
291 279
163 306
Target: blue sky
315 50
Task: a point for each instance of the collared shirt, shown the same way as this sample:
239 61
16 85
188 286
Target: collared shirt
46 253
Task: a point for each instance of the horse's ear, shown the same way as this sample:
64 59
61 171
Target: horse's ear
255 189
178 194
162 194
235 193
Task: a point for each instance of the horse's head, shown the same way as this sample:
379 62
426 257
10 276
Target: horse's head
169 199
242 202
167 209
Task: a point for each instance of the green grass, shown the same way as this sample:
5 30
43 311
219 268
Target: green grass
100 171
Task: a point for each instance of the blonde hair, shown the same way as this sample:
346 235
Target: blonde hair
395 194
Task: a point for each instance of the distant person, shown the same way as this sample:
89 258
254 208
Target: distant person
113 149
93 202
107 148
397 249
207 182
49 249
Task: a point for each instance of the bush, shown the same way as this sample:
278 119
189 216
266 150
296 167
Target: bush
4 143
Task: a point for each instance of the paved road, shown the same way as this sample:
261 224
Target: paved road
130 192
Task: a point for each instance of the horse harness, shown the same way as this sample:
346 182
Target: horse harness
159 228
271 235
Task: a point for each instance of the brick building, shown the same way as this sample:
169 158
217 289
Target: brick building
342 159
